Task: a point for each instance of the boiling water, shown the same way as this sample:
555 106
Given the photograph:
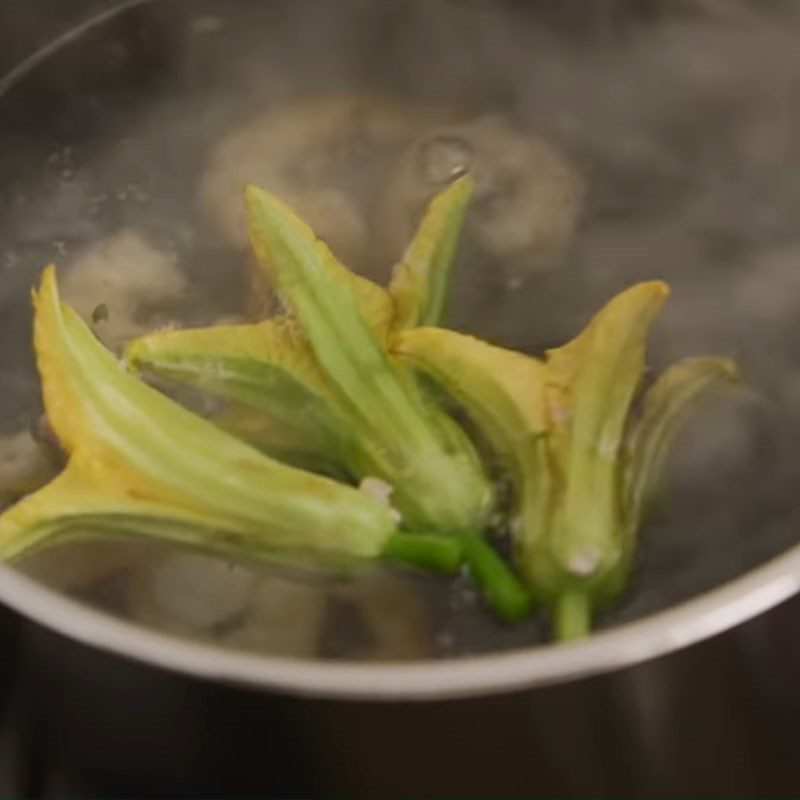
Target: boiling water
623 141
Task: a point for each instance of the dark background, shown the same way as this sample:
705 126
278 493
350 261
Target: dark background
721 719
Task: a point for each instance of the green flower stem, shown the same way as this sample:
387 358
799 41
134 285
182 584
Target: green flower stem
436 553
501 587
572 616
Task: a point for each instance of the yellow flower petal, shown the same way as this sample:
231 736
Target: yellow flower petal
126 438
421 280
593 381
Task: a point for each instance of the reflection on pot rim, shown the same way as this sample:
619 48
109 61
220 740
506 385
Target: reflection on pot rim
623 646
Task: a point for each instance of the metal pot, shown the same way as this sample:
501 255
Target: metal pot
648 147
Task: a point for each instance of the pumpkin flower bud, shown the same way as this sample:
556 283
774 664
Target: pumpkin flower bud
582 458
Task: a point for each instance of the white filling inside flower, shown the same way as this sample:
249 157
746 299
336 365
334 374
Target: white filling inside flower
381 491
583 562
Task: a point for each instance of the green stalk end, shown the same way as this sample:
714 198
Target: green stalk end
572 616
443 554
501 587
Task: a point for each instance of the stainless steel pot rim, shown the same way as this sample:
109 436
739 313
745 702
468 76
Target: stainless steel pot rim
625 645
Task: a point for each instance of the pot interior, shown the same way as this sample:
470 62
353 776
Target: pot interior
655 140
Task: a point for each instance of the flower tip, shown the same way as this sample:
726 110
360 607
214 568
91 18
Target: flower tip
258 200
724 373
465 183
456 196
267 211
48 286
730 370
661 288
48 277
252 192
645 298
253 198
658 290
